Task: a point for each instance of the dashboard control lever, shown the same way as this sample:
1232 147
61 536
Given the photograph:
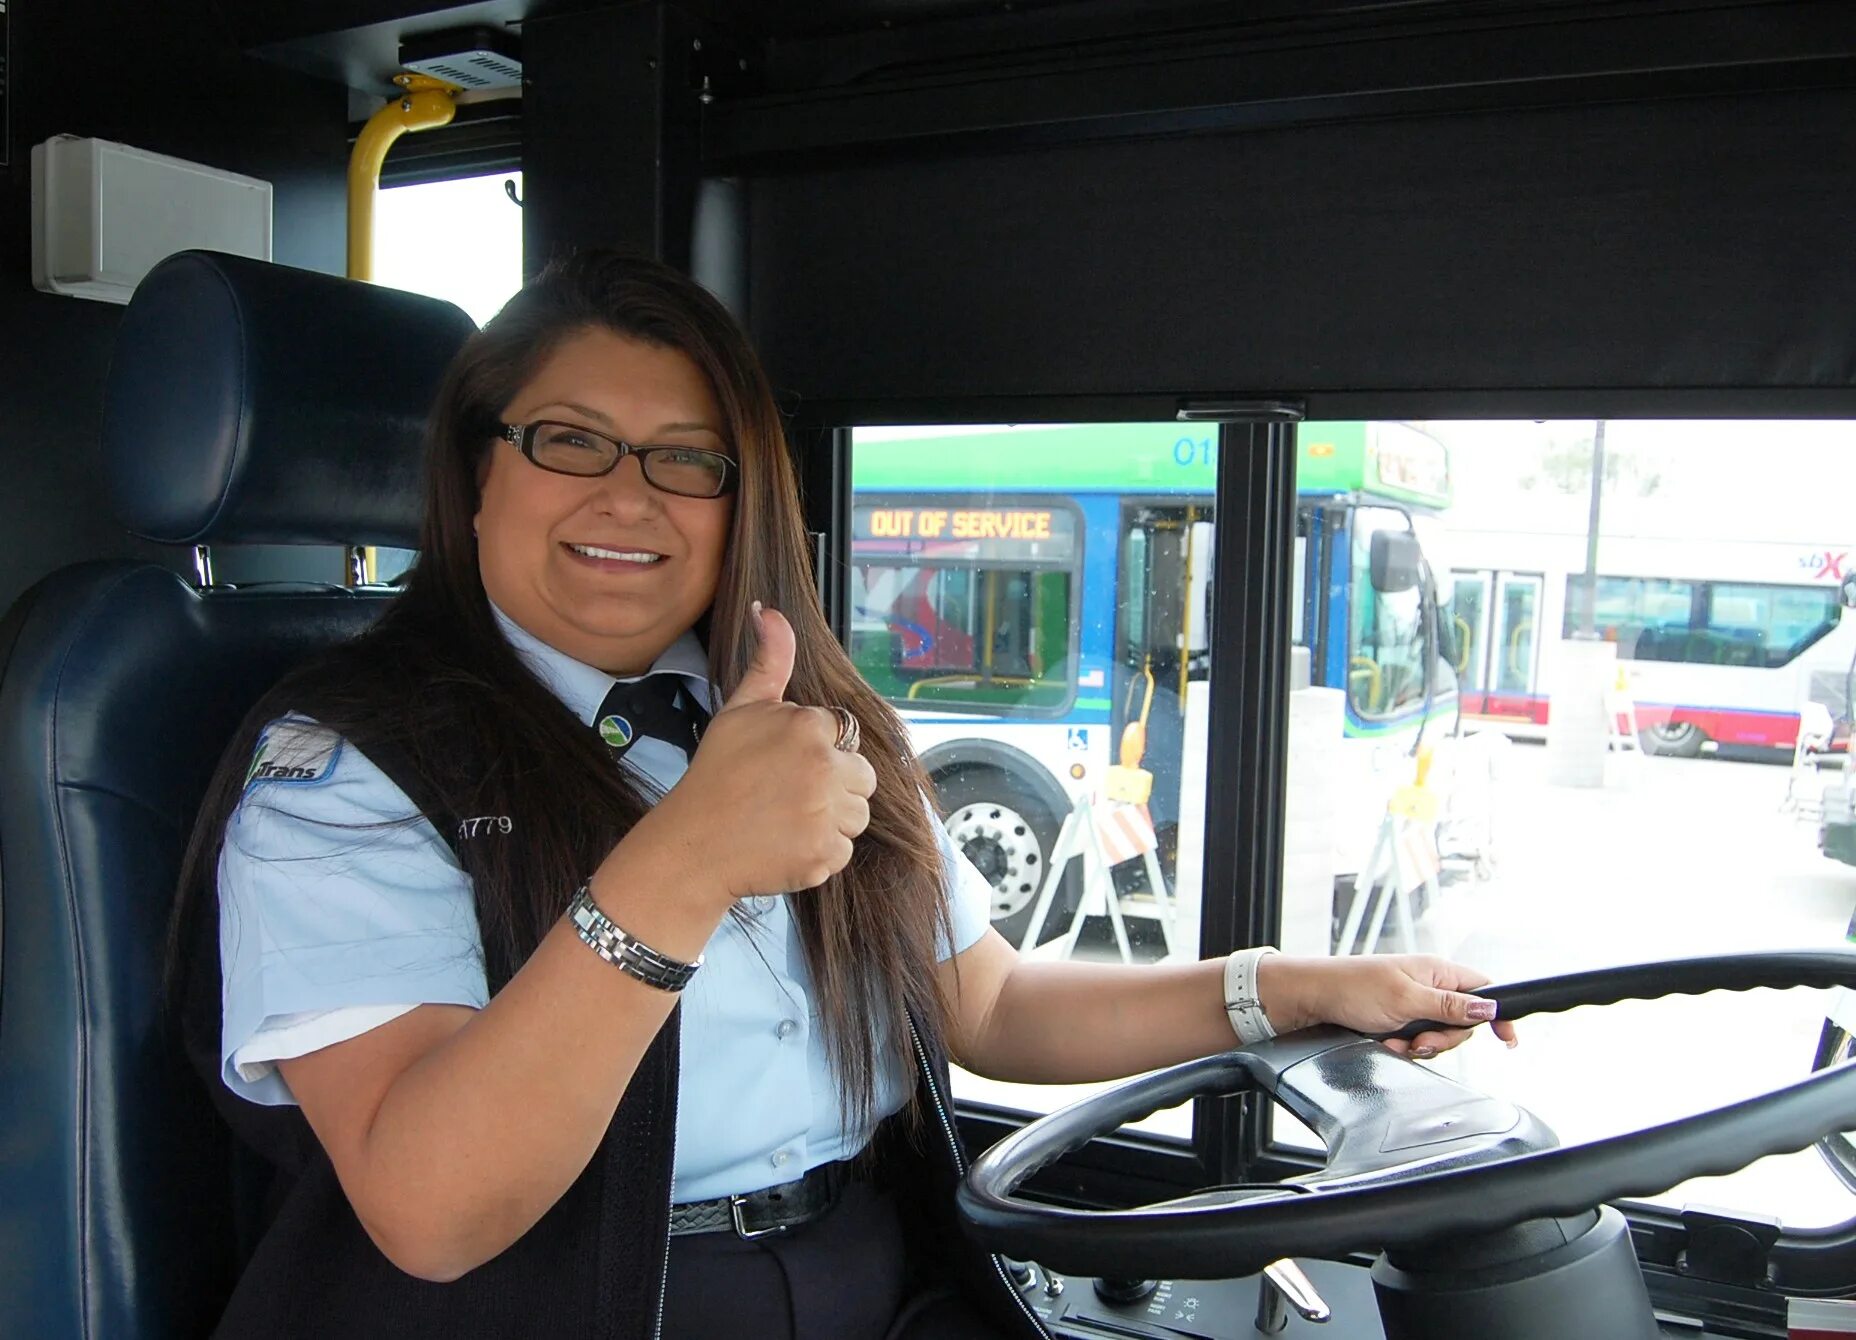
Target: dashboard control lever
1284 1286
1124 1291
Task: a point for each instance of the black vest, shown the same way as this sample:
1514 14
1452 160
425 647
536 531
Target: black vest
593 1265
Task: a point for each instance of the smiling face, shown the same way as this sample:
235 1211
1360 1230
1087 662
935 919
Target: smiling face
610 571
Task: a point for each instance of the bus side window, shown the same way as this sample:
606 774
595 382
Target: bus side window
992 637
1134 583
1751 625
1768 625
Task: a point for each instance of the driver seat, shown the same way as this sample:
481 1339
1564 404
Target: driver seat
247 403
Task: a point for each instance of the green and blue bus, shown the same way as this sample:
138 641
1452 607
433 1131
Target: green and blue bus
1022 594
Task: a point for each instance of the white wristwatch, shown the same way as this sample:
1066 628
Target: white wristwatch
1241 1003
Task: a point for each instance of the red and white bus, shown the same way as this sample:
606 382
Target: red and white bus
1721 640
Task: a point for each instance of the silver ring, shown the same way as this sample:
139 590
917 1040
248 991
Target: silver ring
850 734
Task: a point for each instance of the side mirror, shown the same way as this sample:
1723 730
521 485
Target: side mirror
1848 591
1396 564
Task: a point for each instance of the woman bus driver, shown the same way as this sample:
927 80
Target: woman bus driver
501 1121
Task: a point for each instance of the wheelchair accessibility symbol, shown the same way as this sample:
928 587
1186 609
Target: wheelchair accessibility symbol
1079 739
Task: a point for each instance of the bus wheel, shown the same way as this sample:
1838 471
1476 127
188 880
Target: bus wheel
1675 739
1007 832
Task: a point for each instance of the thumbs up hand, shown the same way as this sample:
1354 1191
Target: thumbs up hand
772 666
771 805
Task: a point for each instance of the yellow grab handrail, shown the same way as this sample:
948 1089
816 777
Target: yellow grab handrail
424 104
1374 678
1463 640
1134 731
991 628
942 681
1185 613
1517 648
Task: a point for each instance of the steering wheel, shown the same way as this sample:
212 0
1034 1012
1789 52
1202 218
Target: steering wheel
1413 1157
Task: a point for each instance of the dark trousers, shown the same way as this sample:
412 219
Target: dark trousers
841 1277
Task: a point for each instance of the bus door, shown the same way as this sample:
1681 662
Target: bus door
1516 645
1163 628
1497 620
1470 607
1319 602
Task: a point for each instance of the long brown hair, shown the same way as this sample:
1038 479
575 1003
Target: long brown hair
435 681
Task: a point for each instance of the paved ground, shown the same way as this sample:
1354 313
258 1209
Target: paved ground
1674 857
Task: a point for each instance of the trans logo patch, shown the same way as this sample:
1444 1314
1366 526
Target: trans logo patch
616 731
293 750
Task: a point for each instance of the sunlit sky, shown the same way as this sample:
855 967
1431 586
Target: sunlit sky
1782 480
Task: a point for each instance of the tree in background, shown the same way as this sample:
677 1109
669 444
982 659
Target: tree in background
1565 466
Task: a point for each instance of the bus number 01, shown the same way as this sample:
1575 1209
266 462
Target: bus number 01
1193 451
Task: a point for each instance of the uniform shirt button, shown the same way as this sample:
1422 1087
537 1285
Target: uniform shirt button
780 1158
787 1028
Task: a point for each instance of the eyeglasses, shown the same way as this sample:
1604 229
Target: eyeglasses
568 449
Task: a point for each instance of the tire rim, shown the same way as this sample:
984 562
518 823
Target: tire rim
1004 847
1674 735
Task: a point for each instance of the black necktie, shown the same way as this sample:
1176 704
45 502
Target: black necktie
656 706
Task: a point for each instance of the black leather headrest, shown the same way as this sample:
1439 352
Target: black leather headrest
252 403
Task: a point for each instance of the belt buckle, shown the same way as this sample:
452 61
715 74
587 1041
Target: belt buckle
741 1229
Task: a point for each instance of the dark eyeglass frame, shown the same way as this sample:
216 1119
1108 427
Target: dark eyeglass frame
522 436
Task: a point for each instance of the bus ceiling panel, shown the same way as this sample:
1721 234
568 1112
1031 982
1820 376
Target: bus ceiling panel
840 41
263 22
882 45
1439 402
338 33
1160 407
1681 245
356 43
266 21
1267 70
1636 402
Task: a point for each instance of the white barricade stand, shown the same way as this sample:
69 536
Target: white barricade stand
1404 859
1101 832
1081 839
1811 758
1622 733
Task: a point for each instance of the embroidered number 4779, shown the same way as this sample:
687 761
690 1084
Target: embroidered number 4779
485 824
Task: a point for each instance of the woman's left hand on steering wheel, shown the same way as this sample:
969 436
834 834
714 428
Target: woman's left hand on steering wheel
1378 993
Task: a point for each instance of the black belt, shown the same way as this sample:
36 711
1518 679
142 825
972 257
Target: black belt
771 1210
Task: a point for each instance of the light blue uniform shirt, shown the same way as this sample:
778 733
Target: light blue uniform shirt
341 908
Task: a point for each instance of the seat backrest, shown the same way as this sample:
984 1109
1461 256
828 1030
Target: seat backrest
247 403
